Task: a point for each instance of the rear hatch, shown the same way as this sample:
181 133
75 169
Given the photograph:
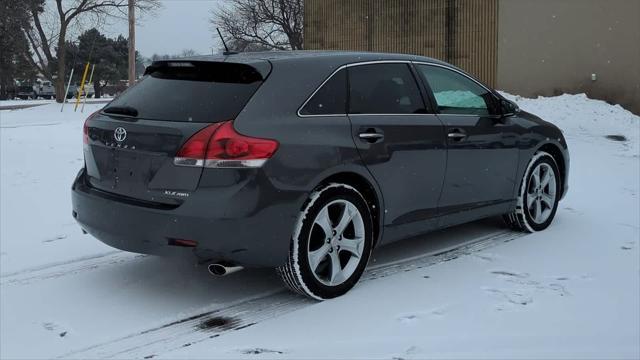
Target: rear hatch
130 145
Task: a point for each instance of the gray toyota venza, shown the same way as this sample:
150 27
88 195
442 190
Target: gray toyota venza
306 161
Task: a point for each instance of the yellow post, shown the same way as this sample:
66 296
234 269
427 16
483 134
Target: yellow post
90 78
84 77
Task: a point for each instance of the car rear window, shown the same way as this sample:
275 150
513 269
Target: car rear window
330 99
191 91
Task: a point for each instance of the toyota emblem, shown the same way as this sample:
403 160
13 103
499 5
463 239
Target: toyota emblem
120 134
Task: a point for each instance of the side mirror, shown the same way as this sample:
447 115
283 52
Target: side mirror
508 107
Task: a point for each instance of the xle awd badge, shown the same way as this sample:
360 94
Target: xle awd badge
120 134
176 193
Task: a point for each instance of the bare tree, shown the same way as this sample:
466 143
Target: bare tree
188 53
44 43
184 53
271 24
245 46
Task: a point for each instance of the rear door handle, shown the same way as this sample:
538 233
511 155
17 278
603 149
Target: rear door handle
371 136
456 135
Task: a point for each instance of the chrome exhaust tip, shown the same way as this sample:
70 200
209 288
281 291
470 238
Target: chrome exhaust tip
217 269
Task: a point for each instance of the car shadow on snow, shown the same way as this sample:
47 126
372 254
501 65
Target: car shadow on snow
179 278
436 241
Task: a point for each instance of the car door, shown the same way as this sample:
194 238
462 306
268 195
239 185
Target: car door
482 153
401 142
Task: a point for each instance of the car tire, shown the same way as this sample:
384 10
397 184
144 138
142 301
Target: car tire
538 196
331 243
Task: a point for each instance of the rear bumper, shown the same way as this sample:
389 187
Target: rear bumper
245 223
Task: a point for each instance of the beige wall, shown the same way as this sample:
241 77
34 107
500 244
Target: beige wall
409 26
546 47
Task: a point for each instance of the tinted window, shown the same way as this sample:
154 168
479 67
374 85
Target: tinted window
383 89
197 92
456 93
331 98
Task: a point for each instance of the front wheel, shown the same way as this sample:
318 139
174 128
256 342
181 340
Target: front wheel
331 243
539 195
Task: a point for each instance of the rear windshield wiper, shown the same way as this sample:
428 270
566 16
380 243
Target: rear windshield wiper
121 110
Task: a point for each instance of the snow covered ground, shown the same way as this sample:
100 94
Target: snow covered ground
46 101
25 102
477 290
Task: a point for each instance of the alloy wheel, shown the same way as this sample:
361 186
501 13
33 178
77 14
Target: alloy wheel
541 193
336 242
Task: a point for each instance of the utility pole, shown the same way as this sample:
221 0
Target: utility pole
132 43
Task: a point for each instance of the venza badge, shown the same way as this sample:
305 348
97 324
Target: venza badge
120 134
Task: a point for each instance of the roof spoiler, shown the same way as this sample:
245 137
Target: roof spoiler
262 67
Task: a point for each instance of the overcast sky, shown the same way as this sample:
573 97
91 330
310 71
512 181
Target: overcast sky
178 25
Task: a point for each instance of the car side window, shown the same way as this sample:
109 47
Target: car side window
456 93
330 99
387 88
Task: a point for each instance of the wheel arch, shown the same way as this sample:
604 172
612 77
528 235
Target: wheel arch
558 156
371 195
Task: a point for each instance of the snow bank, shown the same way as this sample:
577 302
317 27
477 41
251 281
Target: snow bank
580 117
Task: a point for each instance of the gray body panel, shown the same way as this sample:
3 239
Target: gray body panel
421 181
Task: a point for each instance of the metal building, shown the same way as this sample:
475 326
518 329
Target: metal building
527 47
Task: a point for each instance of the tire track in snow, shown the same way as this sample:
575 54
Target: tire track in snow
245 313
194 329
65 268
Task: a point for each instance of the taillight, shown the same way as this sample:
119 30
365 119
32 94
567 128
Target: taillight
220 146
194 150
85 128
85 133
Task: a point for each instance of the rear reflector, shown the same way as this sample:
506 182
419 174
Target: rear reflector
220 146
